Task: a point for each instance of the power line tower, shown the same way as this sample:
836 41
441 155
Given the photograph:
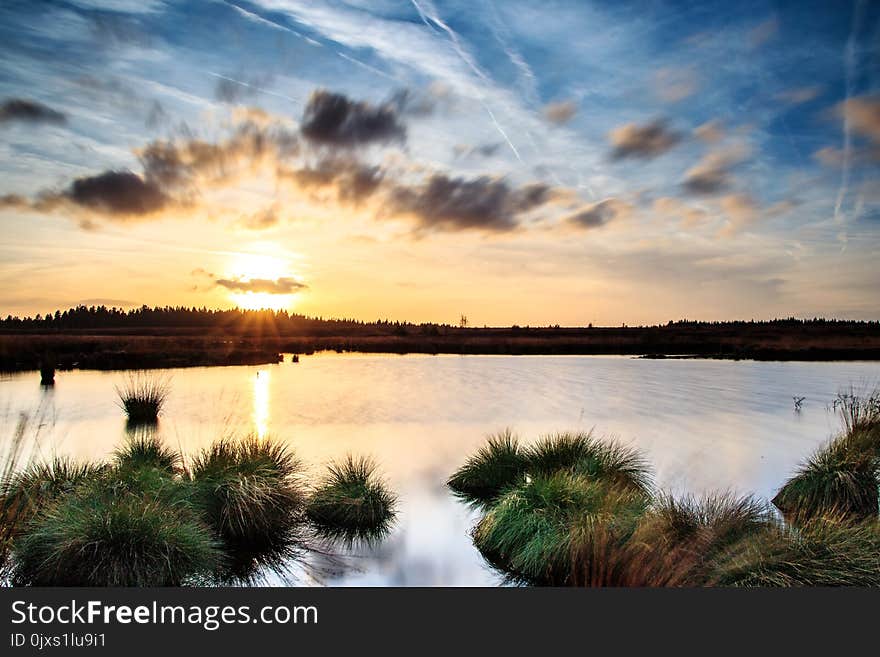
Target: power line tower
462 323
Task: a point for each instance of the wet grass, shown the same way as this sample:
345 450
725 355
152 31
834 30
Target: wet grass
352 504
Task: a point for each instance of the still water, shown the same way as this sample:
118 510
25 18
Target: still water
705 425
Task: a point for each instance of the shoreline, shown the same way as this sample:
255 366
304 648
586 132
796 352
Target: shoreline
21 352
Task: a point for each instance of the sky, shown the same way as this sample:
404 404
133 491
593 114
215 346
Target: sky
530 163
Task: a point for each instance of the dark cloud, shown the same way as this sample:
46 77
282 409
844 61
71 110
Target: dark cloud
117 193
422 103
29 111
352 180
14 202
483 150
335 120
481 203
642 141
179 164
265 285
598 214
713 173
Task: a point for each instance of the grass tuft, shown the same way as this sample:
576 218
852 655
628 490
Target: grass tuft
142 398
352 504
583 454
535 531
498 466
23 495
841 478
144 450
102 535
252 496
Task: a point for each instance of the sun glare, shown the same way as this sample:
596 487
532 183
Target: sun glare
246 268
261 300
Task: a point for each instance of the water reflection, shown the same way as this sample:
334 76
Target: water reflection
262 381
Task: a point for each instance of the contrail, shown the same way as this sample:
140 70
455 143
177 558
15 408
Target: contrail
456 44
252 86
850 62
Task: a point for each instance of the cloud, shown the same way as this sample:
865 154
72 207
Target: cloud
598 214
262 220
483 150
689 216
352 181
232 90
283 285
642 141
483 203
799 95
863 114
561 112
710 132
121 193
674 84
184 163
712 174
763 32
335 120
437 97
741 210
29 111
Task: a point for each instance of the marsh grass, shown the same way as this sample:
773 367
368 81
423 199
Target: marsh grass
533 531
142 397
102 534
352 504
584 513
497 466
582 453
146 450
824 551
502 465
252 495
841 477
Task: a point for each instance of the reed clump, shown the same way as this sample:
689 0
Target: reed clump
842 478
142 397
351 503
147 518
584 512
252 495
502 464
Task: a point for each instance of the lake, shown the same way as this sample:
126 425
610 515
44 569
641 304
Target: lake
704 424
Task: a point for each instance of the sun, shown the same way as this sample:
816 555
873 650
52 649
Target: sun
258 267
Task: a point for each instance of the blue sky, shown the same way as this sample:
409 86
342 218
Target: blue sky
522 162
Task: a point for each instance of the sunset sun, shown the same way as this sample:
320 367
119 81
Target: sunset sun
259 281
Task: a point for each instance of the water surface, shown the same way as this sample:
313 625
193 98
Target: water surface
704 424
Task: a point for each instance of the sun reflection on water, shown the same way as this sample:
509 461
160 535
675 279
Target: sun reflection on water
261 403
